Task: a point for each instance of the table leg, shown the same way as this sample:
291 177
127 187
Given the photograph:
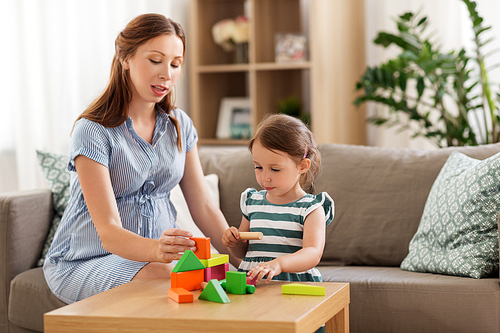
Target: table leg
339 322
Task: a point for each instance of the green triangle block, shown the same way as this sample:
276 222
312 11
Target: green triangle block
214 292
188 262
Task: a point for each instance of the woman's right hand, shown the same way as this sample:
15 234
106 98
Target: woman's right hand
231 237
173 242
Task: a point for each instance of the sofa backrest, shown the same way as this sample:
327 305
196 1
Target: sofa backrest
379 195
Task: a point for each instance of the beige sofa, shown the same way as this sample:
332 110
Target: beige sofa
379 196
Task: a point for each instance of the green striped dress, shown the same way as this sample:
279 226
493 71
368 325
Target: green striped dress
282 226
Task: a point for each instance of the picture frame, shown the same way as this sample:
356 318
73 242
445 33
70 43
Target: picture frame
290 47
234 120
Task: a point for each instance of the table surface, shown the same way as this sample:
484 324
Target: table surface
143 306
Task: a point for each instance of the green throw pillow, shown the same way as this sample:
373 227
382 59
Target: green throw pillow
458 232
54 167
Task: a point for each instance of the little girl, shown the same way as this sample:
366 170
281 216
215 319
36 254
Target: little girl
292 221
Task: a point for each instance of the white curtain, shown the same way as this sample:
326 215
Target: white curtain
451 27
56 57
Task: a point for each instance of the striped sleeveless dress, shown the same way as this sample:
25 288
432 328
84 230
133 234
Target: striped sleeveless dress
282 227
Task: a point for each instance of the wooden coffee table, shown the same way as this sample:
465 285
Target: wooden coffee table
143 306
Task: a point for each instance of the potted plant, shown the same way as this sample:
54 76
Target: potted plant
441 93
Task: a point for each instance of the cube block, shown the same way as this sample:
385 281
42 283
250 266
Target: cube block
216 272
202 247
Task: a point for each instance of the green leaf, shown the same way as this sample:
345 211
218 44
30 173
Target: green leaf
422 20
420 86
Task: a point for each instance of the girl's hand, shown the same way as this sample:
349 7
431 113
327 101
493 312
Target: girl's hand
231 237
173 243
270 268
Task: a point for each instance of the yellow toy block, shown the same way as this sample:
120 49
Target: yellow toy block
217 259
302 289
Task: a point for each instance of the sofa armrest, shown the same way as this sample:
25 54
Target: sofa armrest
25 219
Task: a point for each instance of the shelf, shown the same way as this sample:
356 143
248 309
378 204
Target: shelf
217 142
267 66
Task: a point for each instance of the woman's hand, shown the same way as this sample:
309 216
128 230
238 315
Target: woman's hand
173 243
231 237
270 268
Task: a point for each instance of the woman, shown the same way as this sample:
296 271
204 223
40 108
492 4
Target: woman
129 149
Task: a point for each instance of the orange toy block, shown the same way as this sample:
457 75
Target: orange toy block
190 280
202 247
180 295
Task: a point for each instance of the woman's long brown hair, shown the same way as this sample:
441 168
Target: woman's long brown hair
110 109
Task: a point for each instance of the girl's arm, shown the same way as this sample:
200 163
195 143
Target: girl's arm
204 211
101 203
302 260
231 238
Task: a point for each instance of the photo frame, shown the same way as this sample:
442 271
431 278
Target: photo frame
290 47
234 121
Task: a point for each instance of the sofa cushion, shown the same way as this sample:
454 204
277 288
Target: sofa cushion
236 173
458 233
54 167
388 299
379 196
30 297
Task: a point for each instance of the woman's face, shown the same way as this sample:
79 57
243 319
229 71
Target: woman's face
155 68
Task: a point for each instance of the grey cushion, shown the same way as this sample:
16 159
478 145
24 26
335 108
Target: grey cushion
379 196
236 173
388 299
30 298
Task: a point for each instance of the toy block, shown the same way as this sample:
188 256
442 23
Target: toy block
250 289
216 259
251 235
251 281
188 262
236 282
180 295
302 289
214 292
216 272
202 247
190 280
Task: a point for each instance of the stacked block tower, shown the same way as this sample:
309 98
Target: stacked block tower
202 268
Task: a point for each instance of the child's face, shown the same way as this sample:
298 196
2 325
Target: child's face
276 172
155 68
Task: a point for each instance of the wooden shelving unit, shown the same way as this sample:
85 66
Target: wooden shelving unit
214 75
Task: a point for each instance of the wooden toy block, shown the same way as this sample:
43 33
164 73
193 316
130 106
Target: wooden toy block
202 247
251 235
250 289
214 292
236 282
216 259
180 295
216 272
251 281
188 262
190 280
302 289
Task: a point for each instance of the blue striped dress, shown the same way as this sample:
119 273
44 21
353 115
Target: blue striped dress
142 176
282 226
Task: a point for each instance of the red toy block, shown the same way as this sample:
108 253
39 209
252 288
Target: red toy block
251 281
180 295
190 280
202 247
216 272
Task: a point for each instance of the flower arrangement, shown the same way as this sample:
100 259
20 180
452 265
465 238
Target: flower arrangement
227 33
